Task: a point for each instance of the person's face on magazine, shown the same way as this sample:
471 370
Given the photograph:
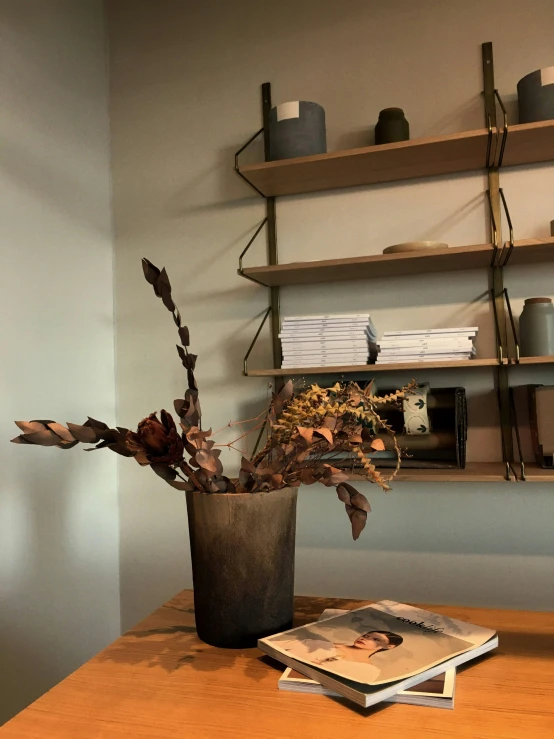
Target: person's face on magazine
373 641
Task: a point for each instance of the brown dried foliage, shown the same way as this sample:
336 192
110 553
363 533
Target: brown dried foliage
306 432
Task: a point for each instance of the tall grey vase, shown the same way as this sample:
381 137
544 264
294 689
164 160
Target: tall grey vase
242 549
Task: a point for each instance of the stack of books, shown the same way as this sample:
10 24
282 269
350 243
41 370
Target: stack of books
327 340
427 345
385 652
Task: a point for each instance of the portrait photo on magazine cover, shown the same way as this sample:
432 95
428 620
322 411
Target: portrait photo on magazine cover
369 646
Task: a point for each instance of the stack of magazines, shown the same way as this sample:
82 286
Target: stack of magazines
327 340
427 345
385 652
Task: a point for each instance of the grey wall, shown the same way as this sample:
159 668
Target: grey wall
59 598
184 96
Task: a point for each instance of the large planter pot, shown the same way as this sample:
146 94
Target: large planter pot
242 549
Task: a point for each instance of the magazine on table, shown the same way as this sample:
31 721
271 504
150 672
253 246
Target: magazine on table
437 692
374 652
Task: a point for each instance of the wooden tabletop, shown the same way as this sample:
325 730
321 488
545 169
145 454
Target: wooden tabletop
160 681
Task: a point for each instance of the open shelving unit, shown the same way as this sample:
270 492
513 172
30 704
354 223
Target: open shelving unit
528 143
453 259
490 149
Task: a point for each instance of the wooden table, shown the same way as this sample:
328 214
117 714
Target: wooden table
160 681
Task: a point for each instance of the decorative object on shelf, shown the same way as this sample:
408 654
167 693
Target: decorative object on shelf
392 126
444 447
541 412
242 530
296 129
410 246
416 416
536 328
535 94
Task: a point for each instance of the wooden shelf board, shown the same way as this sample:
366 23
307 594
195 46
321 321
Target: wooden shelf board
372 368
534 473
532 360
473 472
528 251
436 155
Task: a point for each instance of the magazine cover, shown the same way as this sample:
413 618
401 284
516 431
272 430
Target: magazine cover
437 691
381 643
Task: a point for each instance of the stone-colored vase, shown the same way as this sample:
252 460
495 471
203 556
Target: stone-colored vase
536 328
242 549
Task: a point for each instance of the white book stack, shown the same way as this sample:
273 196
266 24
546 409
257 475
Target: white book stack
427 345
326 340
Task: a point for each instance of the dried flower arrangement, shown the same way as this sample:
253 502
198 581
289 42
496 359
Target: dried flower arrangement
305 433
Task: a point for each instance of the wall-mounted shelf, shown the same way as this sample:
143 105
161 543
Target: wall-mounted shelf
527 143
473 472
534 473
526 251
492 148
532 360
400 367
372 368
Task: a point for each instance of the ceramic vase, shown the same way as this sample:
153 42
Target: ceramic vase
392 126
536 328
296 129
535 96
242 551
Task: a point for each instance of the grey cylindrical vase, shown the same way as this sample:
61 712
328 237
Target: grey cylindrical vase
536 328
242 549
535 94
296 129
392 126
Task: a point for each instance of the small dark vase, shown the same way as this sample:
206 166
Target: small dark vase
392 126
242 550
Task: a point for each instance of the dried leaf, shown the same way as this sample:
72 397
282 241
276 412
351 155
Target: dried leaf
62 432
343 494
151 273
306 434
97 425
378 445
277 481
184 335
142 459
166 473
333 476
29 426
84 434
358 500
355 439
208 461
43 438
181 485
358 520
330 422
326 433
286 391
307 476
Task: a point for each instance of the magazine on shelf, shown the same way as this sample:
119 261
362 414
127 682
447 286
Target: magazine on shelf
431 332
437 692
372 653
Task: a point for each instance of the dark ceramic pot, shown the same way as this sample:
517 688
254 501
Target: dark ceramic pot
242 549
392 126
535 96
296 129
